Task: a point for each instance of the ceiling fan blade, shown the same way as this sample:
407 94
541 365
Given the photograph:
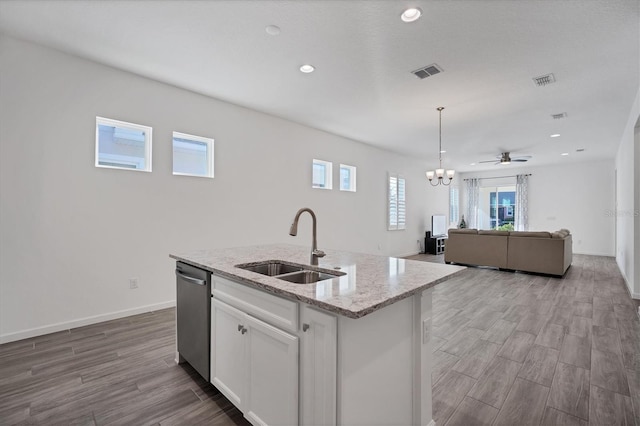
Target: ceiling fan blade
519 160
488 161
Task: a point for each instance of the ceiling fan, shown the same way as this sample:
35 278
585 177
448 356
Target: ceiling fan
505 159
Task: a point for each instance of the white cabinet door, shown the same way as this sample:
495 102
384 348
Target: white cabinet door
228 355
318 368
272 367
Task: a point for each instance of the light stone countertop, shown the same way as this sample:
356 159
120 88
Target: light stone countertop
371 282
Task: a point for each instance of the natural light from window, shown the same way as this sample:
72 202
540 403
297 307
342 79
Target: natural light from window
192 155
347 178
321 174
122 145
496 209
397 202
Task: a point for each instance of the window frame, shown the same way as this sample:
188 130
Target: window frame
120 158
328 175
398 224
352 178
210 153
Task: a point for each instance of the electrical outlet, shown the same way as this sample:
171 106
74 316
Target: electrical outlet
133 283
426 330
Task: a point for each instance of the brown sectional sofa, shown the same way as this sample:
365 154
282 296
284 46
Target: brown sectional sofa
541 252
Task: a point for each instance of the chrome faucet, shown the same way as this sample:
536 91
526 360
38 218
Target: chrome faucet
315 253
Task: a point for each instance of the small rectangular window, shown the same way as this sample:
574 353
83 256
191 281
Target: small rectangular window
192 155
122 145
347 178
322 174
397 202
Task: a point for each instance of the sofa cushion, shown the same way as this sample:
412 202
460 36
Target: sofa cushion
560 234
492 232
530 234
463 231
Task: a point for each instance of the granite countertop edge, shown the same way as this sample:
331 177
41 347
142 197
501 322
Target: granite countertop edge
324 305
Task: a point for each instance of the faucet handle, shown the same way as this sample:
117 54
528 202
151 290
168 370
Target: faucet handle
318 253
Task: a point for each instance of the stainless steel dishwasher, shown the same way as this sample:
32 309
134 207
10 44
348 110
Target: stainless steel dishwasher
193 306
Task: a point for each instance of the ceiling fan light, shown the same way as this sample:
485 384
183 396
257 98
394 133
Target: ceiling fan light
430 175
505 162
439 173
451 174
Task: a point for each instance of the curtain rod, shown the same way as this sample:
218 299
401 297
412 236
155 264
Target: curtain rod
498 177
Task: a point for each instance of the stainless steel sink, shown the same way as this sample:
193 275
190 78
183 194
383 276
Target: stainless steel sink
299 274
271 268
306 277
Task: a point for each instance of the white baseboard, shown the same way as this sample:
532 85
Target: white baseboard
626 283
61 326
413 253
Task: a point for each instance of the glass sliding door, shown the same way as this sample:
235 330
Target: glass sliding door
497 207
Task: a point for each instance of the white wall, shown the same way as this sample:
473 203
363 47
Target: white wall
73 234
576 196
628 200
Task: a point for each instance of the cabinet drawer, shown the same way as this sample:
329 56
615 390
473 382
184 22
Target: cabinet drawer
274 310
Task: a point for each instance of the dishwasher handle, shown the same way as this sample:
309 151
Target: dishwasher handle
190 279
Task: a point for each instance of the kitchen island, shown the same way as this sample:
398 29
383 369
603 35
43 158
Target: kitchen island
350 349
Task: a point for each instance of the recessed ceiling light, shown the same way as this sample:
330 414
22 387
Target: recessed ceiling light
273 30
306 68
555 135
410 15
472 164
565 153
443 151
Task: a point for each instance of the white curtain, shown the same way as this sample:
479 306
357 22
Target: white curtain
473 198
522 203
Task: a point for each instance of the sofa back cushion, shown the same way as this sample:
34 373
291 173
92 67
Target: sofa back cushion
472 247
491 232
530 234
463 231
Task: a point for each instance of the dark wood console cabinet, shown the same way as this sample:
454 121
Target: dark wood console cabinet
434 245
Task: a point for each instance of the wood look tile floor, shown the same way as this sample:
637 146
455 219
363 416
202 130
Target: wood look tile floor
509 349
523 349
117 372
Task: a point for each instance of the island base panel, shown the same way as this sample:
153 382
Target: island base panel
384 365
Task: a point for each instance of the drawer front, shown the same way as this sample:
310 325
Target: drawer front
277 311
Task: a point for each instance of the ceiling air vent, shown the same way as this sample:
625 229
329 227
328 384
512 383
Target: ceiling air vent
543 80
559 116
427 71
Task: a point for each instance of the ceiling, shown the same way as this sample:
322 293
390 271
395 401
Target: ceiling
362 88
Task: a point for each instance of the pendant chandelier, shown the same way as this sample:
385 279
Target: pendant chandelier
439 173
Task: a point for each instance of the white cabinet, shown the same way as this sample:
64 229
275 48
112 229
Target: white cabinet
283 362
228 365
255 365
272 367
318 367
